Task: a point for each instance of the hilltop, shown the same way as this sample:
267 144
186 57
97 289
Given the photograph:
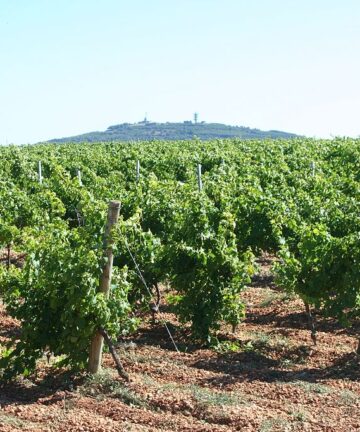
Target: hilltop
146 130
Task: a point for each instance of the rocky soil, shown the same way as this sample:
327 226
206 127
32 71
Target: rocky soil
267 376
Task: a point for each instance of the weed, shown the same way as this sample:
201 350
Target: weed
128 397
313 387
257 340
265 340
286 363
274 297
206 397
300 416
10 420
248 347
148 381
262 339
170 387
103 383
274 425
227 346
280 342
133 357
347 397
3 349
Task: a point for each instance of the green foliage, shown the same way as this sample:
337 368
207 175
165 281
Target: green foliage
131 243
324 270
257 195
206 268
55 298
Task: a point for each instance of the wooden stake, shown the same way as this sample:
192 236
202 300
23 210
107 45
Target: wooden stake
40 172
200 185
311 321
312 167
8 256
137 170
97 342
78 173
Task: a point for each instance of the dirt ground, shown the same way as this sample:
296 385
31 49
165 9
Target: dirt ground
268 376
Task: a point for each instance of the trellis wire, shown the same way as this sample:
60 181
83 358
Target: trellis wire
150 293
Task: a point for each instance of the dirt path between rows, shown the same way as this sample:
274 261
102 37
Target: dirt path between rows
273 380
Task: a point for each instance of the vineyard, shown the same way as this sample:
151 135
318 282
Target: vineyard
197 221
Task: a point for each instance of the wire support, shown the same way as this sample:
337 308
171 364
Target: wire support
150 293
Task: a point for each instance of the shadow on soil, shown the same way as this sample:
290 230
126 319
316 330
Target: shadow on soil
257 363
299 321
28 392
10 331
253 366
157 335
262 281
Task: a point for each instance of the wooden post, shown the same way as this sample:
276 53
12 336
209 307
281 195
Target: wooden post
312 166
40 172
137 170
8 256
200 185
311 321
78 173
97 342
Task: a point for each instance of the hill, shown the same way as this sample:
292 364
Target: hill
146 130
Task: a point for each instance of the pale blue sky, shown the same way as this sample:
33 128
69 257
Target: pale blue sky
74 66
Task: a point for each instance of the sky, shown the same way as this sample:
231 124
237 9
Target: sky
74 66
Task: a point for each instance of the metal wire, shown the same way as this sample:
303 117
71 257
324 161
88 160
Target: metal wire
150 293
